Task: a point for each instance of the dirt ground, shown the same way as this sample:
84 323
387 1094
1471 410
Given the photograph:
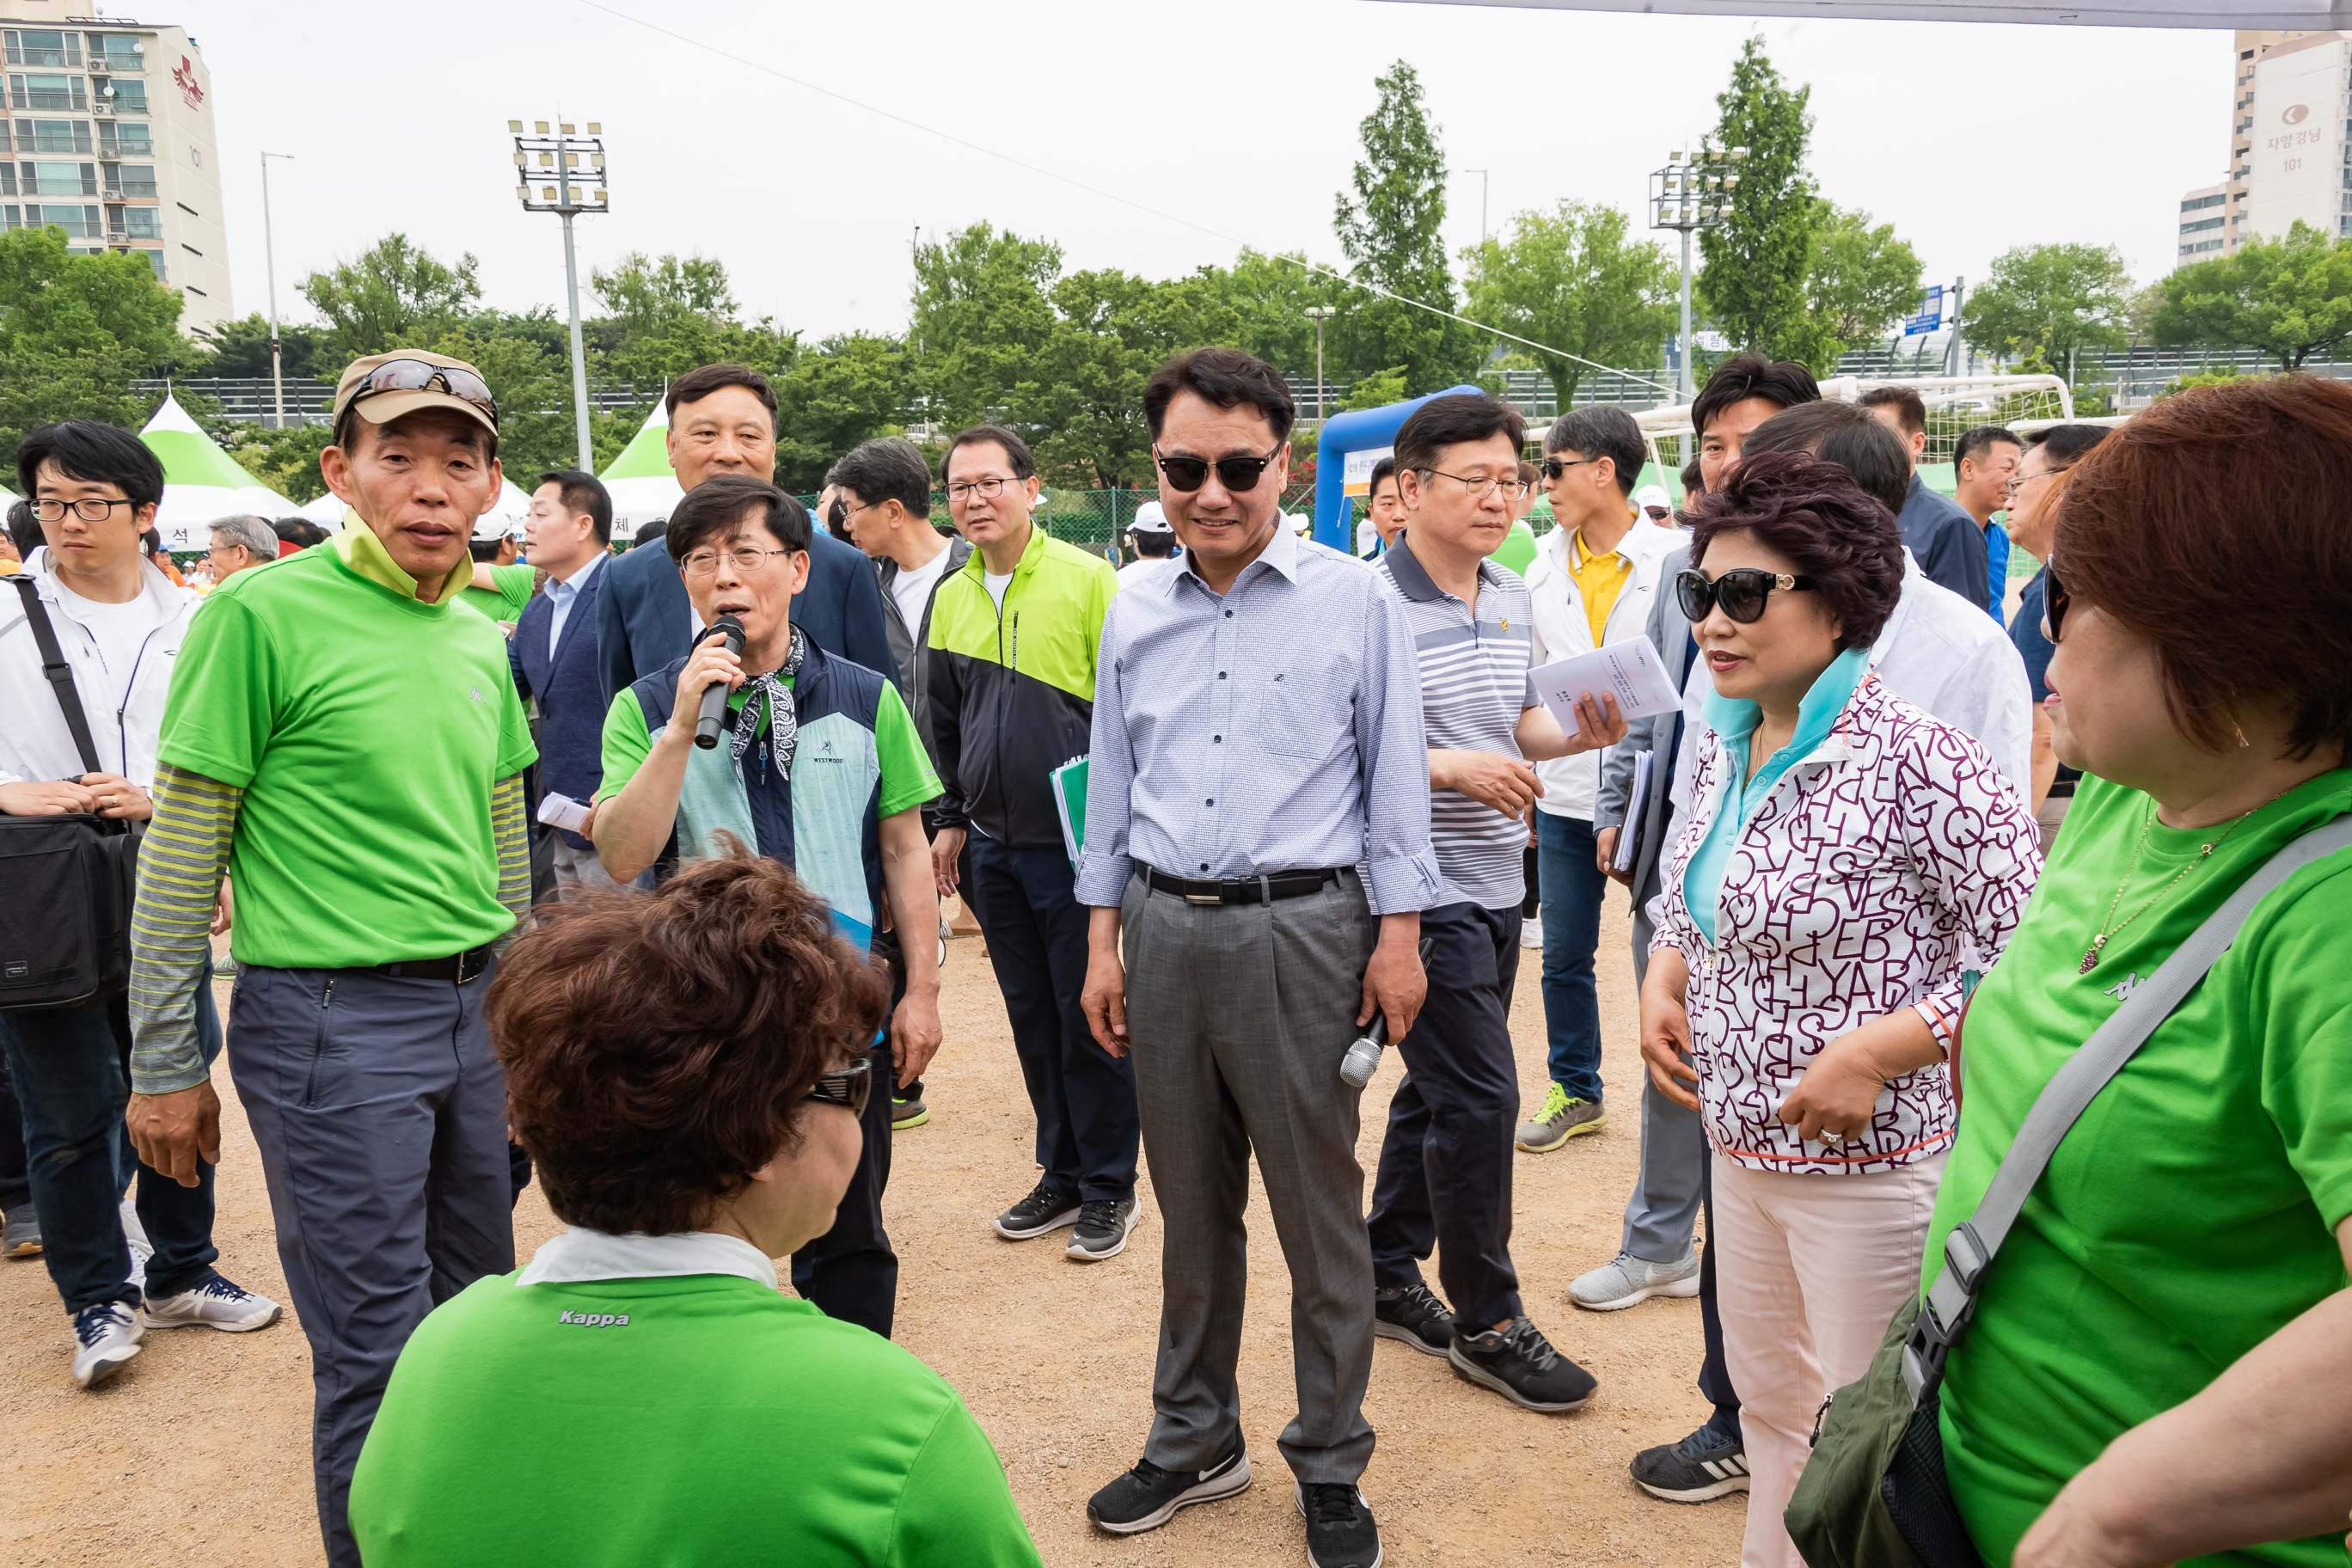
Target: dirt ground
200 1449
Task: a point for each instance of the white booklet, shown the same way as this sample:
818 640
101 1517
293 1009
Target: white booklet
1631 670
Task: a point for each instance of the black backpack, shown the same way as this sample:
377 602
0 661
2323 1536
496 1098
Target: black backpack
70 878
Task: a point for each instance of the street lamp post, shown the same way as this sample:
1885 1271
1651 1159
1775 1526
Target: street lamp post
269 262
1483 182
1318 314
546 182
1691 194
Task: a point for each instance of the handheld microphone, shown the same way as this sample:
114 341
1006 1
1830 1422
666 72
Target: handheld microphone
1363 1058
714 696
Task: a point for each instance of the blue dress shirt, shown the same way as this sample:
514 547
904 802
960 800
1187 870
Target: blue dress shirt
1276 727
560 596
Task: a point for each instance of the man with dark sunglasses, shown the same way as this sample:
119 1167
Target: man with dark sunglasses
349 745
1257 735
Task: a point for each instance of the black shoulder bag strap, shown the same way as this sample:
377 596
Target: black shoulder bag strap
1968 1249
60 673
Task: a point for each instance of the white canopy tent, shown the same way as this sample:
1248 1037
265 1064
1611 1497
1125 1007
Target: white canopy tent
200 481
639 481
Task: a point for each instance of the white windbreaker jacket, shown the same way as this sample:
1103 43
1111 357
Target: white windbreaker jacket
35 741
1572 785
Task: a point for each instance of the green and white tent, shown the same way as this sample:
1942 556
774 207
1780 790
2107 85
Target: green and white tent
200 481
640 481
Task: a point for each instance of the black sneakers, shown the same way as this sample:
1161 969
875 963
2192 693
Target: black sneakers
1147 1497
1517 1362
1414 1314
1702 1467
1340 1529
1103 1227
1046 1208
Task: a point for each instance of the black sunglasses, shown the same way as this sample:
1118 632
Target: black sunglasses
415 375
1553 469
2054 600
1236 474
852 1087
1741 592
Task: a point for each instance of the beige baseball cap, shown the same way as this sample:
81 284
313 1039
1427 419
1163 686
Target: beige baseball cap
402 381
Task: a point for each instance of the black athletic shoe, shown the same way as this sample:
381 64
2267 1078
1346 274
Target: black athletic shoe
1340 1529
1703 1466
1414 1314
1147 1497
1046 1208
1103 1229
1517 1362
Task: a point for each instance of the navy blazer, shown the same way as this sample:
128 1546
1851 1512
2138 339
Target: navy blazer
1946 542
643 619
570 706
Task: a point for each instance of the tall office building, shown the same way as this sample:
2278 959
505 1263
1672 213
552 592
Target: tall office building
2290 140
109 136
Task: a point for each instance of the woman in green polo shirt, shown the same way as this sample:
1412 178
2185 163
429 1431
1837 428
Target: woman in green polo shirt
680 1066
2158 1367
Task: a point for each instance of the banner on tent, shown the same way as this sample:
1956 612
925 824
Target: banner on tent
1355 471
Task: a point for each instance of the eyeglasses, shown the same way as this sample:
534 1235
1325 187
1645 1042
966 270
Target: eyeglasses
223 548
415 375
1741 593
89 509
2054 600
850 1088
2019 481
747 562
1553 469
1236 474
1513 488
986 489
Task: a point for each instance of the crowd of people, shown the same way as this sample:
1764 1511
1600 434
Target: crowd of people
625 872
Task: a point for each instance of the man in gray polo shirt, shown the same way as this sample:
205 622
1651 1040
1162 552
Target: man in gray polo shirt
1444 1176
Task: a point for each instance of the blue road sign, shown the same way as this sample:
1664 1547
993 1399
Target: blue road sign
1931 312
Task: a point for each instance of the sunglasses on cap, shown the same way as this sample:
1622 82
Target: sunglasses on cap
1236 474
850 1088
415 375
1740 593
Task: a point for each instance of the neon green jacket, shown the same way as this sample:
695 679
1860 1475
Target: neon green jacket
1012 694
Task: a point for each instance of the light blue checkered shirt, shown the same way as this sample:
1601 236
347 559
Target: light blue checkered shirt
561 597
1275 728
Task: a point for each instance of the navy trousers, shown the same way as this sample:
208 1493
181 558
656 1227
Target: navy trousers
850 1272
1445 1177
1084 1097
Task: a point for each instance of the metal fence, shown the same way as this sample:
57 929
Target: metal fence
1094 521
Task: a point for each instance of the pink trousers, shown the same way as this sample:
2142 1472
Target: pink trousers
1810 1270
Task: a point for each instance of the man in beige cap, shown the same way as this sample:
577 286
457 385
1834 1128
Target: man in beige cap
348 745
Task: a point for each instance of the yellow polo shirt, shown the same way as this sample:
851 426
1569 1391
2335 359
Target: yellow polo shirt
1599 579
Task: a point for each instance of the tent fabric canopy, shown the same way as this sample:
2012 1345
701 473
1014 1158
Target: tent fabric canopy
200 481
642 487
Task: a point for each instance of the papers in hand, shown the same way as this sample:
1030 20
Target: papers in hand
562 811
1069 785
1631 671
1637 816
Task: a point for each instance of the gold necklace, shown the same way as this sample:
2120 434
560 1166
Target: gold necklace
2108 931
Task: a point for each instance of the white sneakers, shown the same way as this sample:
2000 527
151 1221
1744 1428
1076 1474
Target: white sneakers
135 1237
216 1303
105 1337
1626 1281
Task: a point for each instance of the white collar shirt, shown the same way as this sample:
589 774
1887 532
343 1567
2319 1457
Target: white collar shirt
1572 785
580 1254
562 595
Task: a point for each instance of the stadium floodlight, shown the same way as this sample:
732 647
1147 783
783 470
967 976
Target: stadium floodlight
1675 192
546 182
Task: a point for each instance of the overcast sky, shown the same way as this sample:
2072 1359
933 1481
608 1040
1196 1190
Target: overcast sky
1236 116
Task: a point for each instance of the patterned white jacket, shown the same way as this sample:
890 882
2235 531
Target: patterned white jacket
1846 897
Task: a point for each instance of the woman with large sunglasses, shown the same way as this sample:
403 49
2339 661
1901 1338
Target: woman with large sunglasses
1844 852
687 1068
2157 1365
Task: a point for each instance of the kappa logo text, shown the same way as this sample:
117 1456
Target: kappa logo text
595 1320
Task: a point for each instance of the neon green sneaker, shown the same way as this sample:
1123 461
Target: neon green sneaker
1562 1118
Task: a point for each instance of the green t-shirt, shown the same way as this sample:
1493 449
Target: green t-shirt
367 731
2191 1213
721 1423
514 593
908 779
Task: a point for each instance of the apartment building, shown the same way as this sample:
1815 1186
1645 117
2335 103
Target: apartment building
109 136
2290 147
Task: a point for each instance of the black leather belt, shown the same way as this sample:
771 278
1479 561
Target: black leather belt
2062 788
1241 889
460 967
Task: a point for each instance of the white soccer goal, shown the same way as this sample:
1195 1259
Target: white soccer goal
1955 405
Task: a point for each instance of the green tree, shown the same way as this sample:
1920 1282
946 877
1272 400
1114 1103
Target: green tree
241 348
1759 260
1086 394
2290 298
2052 298
1570 278
286 460
982 319
394 294
1376 390
1270 296
849 389
1389 230
1863 277
54 301
643 295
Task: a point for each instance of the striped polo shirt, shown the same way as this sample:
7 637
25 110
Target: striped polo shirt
1474 687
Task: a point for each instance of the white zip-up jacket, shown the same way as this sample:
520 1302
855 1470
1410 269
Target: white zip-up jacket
35 741
1572 785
